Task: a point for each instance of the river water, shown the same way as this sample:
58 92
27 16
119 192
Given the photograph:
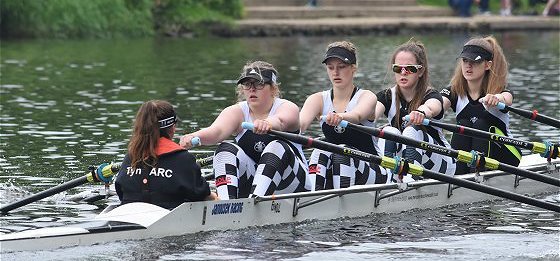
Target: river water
65 105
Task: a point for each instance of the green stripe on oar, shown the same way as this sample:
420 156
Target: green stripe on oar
412 169
103 173
460 155
534 147
533 115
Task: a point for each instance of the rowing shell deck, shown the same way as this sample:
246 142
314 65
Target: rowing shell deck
142 220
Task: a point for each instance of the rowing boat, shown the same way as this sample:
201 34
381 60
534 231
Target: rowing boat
142 221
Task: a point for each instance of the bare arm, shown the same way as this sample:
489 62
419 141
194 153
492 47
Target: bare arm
310 111
493 99
432 107
508 98
365 109
446 104
379 110
225 125
286 118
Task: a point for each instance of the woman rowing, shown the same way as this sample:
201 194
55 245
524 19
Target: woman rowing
257 164
478 84
157 170
343 101
412 95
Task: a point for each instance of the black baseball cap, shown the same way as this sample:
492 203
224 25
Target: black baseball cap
261 75
341 53
476 53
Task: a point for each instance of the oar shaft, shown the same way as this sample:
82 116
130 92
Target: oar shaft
529 174
533 115
461 156
385 162
487 135
47 193
315 143
492 191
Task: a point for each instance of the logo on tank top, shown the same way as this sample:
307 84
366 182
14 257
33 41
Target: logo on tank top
223 180
339 129
314 169
474 119
259 146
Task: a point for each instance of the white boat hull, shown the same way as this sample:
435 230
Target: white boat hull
148 221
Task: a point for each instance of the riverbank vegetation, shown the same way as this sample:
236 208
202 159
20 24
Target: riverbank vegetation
114 18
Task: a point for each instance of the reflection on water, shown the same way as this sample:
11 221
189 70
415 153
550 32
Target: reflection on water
65 105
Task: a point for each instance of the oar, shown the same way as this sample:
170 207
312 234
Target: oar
533 115
462 156
408 168
103 173
546 150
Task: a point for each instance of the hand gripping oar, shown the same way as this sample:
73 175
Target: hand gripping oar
404 167
103 173
547 149
533 115
471 158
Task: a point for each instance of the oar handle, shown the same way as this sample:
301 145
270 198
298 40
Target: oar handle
343 123
247 125
425 121
501 105
196 142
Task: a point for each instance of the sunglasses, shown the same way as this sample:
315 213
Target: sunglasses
411 68
255 85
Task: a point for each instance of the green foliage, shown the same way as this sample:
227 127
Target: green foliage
433 2
70 18
111 18
175 17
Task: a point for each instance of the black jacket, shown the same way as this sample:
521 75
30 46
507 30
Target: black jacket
175 179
